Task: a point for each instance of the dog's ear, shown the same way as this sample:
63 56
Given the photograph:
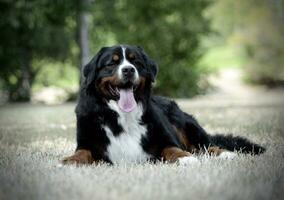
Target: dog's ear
90 69
153 69
152 66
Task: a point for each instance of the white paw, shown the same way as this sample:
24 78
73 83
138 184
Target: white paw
188 160
227 155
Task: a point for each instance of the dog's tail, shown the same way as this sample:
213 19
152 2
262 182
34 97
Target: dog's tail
237 143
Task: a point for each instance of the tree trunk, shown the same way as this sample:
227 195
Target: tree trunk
22 90
82 31
25 84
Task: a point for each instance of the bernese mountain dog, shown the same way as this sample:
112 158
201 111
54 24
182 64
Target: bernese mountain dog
119 120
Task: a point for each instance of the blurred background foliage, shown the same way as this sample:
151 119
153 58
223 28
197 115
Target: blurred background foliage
45 43
250 34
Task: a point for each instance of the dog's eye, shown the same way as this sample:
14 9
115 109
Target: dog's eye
115 58
131 56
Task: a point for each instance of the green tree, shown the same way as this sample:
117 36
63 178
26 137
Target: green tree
30 30
37 30
170 31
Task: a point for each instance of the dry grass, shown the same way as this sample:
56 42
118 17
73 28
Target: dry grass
34 138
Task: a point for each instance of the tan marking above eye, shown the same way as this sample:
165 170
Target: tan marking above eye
131 55
115 57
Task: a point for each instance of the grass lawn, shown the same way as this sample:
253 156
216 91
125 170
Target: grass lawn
33 138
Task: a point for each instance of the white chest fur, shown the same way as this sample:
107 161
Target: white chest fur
126 147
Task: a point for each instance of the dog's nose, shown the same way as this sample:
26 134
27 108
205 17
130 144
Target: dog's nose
128 71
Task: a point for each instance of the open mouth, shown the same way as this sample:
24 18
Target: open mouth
115 90
124 96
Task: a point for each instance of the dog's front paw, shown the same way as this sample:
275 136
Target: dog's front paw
81 157
187 160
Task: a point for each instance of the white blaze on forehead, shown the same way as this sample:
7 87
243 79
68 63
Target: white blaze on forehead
125 63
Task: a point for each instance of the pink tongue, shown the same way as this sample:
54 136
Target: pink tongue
126 100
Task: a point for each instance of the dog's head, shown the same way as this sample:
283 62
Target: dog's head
122 73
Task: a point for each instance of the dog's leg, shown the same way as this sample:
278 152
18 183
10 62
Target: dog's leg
81 156
174 154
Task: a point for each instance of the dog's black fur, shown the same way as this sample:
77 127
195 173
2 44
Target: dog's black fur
161 116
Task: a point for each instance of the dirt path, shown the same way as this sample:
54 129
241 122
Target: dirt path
229 89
